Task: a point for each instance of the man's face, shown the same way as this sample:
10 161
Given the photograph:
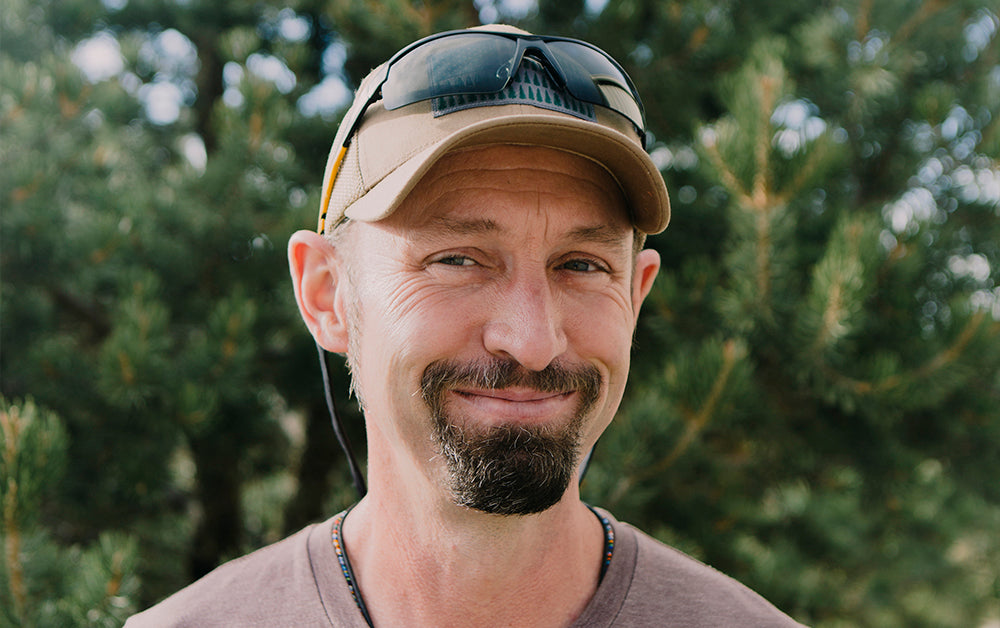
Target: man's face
491 322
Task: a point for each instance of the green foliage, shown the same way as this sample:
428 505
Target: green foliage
831 246
43 583
33 444
814 397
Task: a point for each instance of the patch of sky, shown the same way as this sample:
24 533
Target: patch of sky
162 101
174 60
171 55
99 57
332 94
979 32
273 69
292 26
232 74
493 11
904 215
797 124
192 146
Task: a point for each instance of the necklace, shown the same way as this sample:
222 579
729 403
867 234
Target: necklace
345 564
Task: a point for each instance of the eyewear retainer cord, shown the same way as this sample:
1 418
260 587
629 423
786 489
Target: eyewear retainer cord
338 428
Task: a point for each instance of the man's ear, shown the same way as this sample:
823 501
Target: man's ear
320 282
647 265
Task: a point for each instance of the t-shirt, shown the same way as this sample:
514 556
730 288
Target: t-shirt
298 582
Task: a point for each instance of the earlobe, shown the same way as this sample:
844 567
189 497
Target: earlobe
647 265
319 284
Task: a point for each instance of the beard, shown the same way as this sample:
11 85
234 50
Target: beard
509 469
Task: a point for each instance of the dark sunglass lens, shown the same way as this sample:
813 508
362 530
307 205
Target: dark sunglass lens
592 76
577 70
593 62
459 64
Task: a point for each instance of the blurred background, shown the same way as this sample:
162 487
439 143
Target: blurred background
815 396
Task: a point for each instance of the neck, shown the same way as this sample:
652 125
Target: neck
424 563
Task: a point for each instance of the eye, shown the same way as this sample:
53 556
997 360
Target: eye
457 260
583 266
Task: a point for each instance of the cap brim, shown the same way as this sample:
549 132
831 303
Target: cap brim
640 180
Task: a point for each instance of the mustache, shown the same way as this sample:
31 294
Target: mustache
499 373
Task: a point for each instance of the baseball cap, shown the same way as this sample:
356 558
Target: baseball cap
383 149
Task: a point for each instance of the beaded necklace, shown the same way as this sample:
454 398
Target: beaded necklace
345 564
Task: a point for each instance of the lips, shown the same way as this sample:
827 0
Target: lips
494 390
516 404
515 395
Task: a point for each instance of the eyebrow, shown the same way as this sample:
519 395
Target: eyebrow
600 234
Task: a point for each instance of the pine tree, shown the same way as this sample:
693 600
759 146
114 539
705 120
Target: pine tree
41 582
815 396
145 292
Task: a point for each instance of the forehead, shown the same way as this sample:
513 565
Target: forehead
500 186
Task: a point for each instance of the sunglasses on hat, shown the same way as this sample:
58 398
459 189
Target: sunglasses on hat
483 62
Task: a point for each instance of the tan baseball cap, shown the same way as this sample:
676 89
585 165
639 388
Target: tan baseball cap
392 150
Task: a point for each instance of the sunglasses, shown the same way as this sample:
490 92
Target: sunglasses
475 63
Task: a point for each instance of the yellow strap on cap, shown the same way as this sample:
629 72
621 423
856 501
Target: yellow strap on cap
328 191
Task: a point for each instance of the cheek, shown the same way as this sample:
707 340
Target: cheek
403 327
419 318
601 328
603 336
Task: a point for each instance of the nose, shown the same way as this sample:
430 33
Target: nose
526 323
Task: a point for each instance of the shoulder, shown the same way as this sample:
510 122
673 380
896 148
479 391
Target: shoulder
674 589
271 586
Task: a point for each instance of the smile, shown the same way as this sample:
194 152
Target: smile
517 404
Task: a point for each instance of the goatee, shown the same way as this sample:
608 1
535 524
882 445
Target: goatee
509 469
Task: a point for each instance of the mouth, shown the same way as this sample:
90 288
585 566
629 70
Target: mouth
515 404
496 392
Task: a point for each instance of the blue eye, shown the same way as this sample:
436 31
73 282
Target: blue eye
457 260
581 266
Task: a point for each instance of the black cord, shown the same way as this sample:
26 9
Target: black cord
338 429
586 463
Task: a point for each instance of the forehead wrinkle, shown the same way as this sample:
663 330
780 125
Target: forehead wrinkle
463 226
603 233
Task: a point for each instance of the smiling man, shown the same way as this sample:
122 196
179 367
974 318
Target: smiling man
479 261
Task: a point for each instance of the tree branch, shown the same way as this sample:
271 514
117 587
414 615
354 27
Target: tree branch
11 427
949 355
695 423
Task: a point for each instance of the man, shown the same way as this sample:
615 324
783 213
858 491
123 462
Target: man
479 261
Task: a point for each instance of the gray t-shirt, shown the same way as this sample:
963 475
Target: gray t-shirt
298 582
